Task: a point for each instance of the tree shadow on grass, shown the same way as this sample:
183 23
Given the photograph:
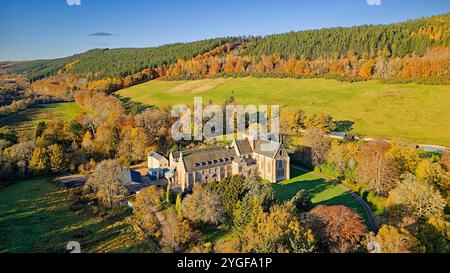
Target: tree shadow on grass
313 187
131 106
344 125
346 199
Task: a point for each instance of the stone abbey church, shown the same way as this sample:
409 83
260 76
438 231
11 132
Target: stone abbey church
247 157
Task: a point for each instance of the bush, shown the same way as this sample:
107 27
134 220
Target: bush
377 203
328 169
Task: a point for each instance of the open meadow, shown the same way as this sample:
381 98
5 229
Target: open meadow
36 216
30 117
415 112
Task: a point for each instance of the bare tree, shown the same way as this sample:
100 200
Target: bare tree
319 144
203 206
105 182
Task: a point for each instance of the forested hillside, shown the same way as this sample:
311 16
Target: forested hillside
414 51
103 63
411 38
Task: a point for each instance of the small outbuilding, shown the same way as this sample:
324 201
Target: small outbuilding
157 161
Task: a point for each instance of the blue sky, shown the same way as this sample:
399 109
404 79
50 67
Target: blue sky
37 29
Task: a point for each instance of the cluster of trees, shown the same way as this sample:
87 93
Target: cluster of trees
24 103
256 221
416 50
115 133
106 131
63 86
432 66
408 193
114 63
46 150
16 106
7 96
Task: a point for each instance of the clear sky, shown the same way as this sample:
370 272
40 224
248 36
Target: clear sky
37 29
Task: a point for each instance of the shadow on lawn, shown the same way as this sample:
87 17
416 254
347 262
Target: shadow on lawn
346 199
133 107
313 187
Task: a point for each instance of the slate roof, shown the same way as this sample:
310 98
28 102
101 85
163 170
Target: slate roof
135 177
244 146
156 156
267 148
200 159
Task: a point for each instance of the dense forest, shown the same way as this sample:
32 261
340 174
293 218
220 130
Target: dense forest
102 63
411 38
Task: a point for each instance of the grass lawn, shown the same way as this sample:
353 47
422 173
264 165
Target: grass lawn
35 216
30 117
323 192
405 111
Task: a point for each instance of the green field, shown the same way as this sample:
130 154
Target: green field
323 192
415 112
30 117
35 216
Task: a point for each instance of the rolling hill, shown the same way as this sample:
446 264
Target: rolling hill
409 39
405 111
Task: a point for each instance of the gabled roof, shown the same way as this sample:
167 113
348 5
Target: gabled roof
267 148
243 146
200 159
129 174
135 176
156 156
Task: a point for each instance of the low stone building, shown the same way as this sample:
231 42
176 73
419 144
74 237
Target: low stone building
247 157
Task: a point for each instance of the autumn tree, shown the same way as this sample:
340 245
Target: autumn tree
202 206
39 162
319 144
152 197
405 157
415 199
433 174
445 160
292 121
390 239
344 157
57 158
87 142
338 228
105 182
367 69
277 231
16 159
180 233
144 215
319 121
376 169
73 131
434 235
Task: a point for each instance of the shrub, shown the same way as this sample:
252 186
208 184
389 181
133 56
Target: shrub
328 169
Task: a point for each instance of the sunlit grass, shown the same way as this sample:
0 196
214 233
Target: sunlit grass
405 111
30 117
35 216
